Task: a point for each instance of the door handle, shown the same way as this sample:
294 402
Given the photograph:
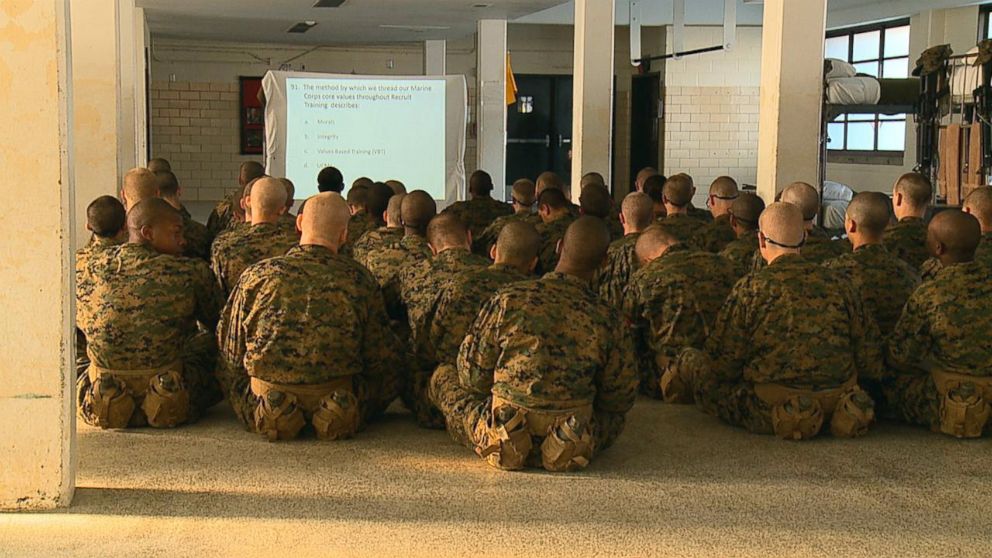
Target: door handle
562 140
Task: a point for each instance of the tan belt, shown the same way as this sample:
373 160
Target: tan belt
776 394
946 381
540 422
136 380
308 396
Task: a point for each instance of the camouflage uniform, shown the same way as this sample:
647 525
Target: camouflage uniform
359 224
793 323
907 239
459 305
701 214
141 314
84 291
883 281
223 213
483 243
614 225
818 248
197 237
247 246
479 213
682 226
385 252
741 252
983 255
551 233
946 326
621 262
306 318
422 284
547 344
671 304
715 235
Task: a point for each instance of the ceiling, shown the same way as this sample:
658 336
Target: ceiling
356 21
384 21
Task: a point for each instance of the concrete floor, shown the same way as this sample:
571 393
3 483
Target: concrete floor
677 483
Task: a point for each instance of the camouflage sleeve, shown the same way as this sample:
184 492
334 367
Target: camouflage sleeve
209 297
231 342
637 328
757 262
727 344
616 384
379 343
481 348
865 338
487 238
910 342
217 267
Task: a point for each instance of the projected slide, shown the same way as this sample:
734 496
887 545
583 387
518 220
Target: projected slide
380 128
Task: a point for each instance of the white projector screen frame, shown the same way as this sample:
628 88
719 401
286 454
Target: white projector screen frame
456 109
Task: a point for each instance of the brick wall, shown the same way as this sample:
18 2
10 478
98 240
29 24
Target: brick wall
195 126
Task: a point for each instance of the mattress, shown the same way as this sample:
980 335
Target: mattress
857 90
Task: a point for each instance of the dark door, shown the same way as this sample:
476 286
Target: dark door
539 128
644 124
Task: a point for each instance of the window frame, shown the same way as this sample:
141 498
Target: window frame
984 15
879 118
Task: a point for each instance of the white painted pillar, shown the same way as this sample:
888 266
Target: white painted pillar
592 104
132 34
37 452
791 94
491 102
434 57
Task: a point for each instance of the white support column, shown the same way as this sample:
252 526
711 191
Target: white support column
592 104
37 376
791 94
97 105
491 101
139 123
434 57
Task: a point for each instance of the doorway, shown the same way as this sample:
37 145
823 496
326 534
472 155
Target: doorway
645 123
539 128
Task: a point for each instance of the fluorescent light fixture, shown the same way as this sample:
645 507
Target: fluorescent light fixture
328 3
302 27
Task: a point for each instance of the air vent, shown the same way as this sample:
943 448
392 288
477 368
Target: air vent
328 3
302 27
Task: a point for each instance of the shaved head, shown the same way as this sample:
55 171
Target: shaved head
480 183
953 236
250 170
397 186
637 210
329 179
267 199
149 213
358 196
394 211
290 191
523 192
378 200
168 184
139 184
678 190
592 178
583 249
446 231
654 187
158 164
782 225
547 180
417 209
595 200
325 221
105 216
643 175
362 182
653 242
746 210
803 196
518 244
724 188
870 212
915 189
979 204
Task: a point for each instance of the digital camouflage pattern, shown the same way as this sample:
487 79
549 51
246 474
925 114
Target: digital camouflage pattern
818 248
671 304
614 225
983 255
84 289
715 235
459 305
359 224
382 238
247 246
141 313
422 284
308 317
907 240
793 323
699 213
551 233
483 243
947 326
197 237
621 262
883 281
681 226
223 213
479 213
547 344
386 253
741 252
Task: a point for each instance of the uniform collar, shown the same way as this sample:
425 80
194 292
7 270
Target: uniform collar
910 219
453 254
870 248
313 250
787 259
566 278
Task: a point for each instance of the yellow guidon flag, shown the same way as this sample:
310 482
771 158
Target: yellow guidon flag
511 84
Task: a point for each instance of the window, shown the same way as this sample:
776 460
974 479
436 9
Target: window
880 50
984 20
